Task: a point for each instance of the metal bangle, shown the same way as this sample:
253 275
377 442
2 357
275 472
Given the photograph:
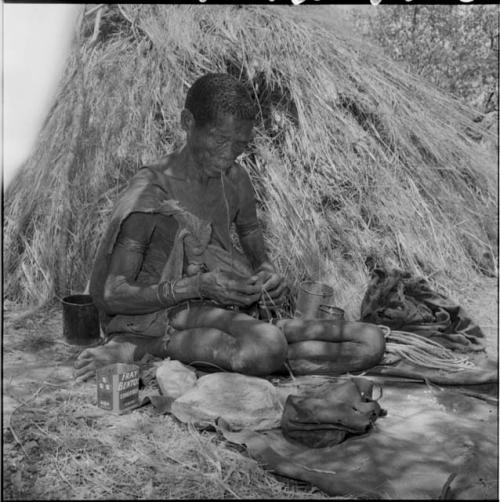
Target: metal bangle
172 293
162 296
158 287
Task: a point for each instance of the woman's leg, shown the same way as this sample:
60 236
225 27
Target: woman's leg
322 346
231 340
299 330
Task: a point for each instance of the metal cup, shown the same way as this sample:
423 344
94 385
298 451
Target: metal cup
311 296
80 320
330 312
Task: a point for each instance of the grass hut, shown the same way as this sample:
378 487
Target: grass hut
354 158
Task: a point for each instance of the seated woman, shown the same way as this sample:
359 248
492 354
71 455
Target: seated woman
167 279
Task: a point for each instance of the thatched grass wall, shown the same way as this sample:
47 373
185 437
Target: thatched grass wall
353 158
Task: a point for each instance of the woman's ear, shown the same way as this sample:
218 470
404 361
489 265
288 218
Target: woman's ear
187 120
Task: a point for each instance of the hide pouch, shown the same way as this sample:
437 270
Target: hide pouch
328 416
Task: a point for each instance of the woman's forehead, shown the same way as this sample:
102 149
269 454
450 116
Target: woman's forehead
227 122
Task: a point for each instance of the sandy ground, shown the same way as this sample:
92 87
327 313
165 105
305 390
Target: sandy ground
58 444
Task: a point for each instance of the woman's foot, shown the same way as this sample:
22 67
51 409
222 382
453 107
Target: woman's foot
111 352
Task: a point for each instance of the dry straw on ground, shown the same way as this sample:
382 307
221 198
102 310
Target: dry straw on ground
353 157
57 444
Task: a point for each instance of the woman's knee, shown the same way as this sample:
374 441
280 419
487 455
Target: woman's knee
264 353
372 342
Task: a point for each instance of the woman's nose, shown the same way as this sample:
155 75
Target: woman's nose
237 150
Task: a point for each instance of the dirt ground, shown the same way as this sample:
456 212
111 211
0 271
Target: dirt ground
58 445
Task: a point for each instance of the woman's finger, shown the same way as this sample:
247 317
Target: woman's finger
272 282
85 374
276 292
249 299
83 360
240 299
271 305
270 301
243 287
83 369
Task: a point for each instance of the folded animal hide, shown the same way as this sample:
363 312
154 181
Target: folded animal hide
243 402
396 299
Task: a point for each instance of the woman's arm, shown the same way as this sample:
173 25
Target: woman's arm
123 294
252 242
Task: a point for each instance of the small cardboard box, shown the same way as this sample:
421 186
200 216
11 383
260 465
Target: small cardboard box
118 387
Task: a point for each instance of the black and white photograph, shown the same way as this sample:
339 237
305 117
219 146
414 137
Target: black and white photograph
250 251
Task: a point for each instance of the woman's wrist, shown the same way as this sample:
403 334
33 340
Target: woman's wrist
202 284
265 266
178 290
166 293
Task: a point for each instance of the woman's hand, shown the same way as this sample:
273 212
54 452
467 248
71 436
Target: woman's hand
274 287
230 289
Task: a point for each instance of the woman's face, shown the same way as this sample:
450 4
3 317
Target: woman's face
216 145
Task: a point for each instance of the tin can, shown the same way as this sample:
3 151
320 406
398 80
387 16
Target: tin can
311 296
80 320
118 387
331 312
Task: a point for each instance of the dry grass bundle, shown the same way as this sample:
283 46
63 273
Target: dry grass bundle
353 157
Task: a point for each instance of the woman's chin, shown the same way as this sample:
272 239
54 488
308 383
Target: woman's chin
216 171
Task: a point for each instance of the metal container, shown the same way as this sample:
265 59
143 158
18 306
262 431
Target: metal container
118 387
80 320
331 312
311 296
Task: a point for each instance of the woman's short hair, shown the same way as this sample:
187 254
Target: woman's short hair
219 92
